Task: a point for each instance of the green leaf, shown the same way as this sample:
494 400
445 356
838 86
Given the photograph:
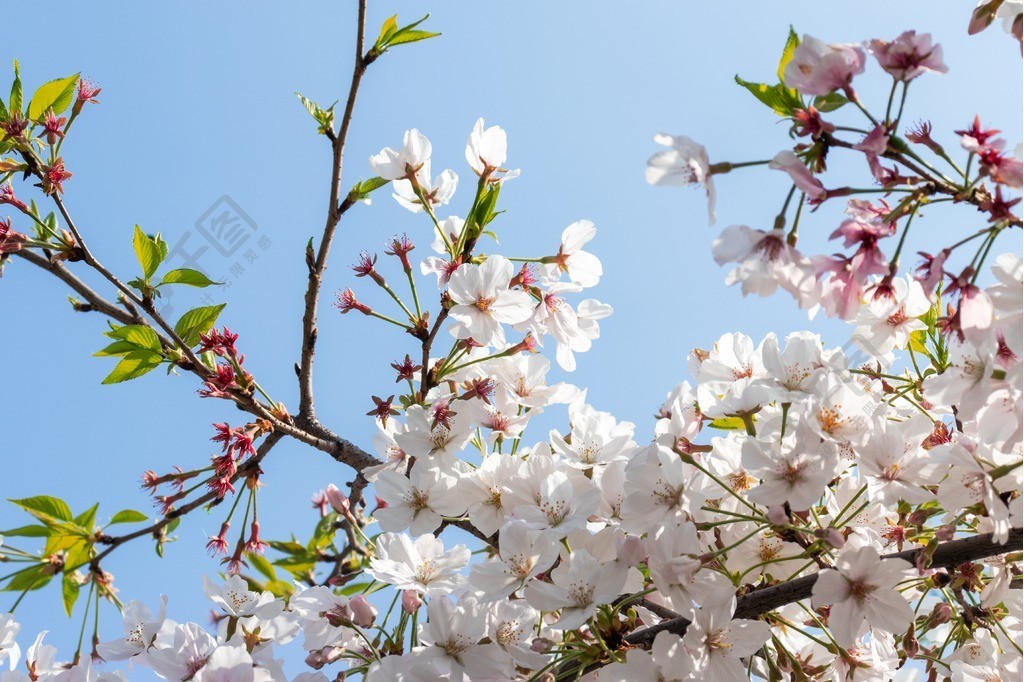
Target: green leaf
261 564
197 321
115 349
404 37
128 516
829 102
780 99
69 591
792 42
192 278
56 94
27 532
918 341
30 580
387 29
148 251
15 102
53 507
728 424
133 365
138 335
87 519
364 188
391 35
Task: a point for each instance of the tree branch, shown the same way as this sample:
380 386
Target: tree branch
334 212
947 555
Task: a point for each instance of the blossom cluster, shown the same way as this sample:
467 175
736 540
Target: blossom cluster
597 552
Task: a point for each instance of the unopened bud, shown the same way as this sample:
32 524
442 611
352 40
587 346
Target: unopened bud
940 614
630 550
777 515
541 644
411 601
363 612
831 536
337 499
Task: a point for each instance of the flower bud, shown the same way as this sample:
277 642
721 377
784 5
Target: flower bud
337 499
777 515
940 614
411 601
363 612
831 536
630 550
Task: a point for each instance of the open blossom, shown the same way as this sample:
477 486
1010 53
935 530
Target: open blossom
236 599
578 586
523 552
684 163
818 68
582 267
422 565
452 642
141 628
886 322
189 652
861 591
418 502
483 301
717 643
436 192
766 261
407 162
789 472
908 56
486 152
9 649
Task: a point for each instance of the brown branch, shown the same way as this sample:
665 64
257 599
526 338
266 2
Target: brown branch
307 408
96 302
947 555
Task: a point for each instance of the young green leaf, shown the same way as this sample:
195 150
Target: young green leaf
197 321
829 102
56 94
87 519
780 99
127 516
148 252
362 189
32 531
192 278
138 335
404 37
792 42
387 29
133 365
69 592
15 101
30 580
45 505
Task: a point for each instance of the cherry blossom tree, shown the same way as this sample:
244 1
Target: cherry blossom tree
797 512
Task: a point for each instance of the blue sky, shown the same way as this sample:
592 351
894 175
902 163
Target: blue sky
198 103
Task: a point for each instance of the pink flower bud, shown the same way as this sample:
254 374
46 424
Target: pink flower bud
337 499
831 536
940 614
777 515
363 612
411 601
630 550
